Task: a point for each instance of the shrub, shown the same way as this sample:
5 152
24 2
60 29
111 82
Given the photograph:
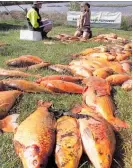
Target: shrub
74 6
126 23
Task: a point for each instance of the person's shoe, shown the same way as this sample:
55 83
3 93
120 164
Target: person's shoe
90 34
44 37
48 38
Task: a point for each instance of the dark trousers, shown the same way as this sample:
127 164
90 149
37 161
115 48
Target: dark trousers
30 27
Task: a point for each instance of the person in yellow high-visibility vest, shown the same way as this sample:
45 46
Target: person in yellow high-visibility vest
35 21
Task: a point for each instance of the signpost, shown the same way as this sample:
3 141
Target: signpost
98 19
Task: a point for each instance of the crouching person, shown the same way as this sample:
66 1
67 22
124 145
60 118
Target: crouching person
35 21
83 23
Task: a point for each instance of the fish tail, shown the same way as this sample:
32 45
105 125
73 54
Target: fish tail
41 103
117 123
9 124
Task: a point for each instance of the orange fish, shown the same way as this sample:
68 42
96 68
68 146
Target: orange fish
97 99
35 137
101 86
34 67
9 124
59 77
15 73
59 68
24 85
103 72
88 51
60 36
20 62
85 63
33 58
117 79
7 100
116 67
59 86
66 37
80 71
102 62
98 139
24 61
68 149
103 55
38 66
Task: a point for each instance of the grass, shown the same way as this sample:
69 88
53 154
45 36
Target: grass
60 53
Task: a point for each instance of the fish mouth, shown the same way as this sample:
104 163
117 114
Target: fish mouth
85 89
29 155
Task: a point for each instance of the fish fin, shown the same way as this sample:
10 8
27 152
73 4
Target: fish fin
88 133
117 123
77 108
42 103
9 124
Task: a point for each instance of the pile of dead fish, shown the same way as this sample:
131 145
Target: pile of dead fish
106 38
50 84
85 128
69 38
111 62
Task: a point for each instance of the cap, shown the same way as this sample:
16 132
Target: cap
37 2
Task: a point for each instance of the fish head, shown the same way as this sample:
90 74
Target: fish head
31 157
99 85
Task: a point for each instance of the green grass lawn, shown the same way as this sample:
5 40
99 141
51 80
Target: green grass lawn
60 53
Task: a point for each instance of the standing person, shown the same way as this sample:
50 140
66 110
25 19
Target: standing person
35 21
84 22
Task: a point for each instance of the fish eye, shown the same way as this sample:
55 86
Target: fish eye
35 162
62 78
